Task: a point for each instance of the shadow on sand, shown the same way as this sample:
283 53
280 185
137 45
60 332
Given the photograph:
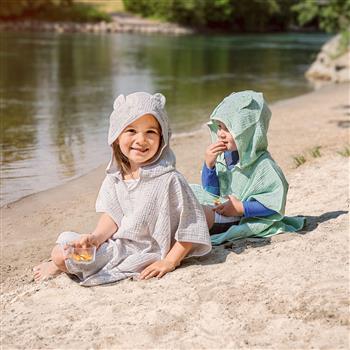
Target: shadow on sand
219 253
313 221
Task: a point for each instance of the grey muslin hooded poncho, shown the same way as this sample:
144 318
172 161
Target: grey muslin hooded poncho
256 176
158 211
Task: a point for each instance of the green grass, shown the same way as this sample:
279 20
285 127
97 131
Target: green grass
315 152
299 160
107 6
345 152
344 43
76 13
51 12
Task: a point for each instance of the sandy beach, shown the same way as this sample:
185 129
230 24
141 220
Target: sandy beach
288 292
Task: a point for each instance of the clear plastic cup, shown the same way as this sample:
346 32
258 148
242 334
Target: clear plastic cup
82 255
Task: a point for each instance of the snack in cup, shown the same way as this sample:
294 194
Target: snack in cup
82 255
216 202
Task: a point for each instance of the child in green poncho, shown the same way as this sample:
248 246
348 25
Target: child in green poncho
241 172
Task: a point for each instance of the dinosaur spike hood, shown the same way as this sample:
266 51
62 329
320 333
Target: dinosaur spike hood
247 117
256 176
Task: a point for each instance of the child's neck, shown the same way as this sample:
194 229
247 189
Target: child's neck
132 174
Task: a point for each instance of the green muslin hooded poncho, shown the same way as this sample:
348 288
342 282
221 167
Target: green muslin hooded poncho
256 176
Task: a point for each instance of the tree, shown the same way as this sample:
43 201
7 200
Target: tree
238 15
330 15
14 9
51 10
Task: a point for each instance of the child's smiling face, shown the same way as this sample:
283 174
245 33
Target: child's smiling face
225 136
140 140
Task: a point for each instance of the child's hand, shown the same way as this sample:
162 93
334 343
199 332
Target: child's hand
233 207
85 241
157 269
212 153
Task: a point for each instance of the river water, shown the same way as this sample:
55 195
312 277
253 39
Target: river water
57 91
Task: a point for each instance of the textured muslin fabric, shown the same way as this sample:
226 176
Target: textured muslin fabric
152 215
256 176
82 271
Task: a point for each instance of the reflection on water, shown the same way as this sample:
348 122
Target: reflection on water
57 91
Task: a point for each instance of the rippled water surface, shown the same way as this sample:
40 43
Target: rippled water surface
57 91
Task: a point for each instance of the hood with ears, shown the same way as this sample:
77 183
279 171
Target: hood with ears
127 109
246 116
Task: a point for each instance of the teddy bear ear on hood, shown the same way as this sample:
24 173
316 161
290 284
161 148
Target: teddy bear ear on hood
120 100
160 99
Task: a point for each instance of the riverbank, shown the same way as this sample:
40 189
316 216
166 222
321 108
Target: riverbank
120 23
65 133
290 292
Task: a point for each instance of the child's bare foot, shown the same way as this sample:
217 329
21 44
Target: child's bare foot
45 271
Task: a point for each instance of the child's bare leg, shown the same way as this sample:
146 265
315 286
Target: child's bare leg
49 269
209 215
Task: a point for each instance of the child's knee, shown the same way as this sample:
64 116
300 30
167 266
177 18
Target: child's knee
58 257
66 237
57 254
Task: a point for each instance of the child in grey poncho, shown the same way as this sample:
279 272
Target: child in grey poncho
151 220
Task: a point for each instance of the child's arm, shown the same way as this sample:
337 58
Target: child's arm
248 209
210 180
105 228
171 261
254 208
233 207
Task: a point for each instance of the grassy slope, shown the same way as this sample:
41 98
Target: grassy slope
108 6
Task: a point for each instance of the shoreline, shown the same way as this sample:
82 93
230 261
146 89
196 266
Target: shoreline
200 129
98 168
124 22
121 23
288 291
203 133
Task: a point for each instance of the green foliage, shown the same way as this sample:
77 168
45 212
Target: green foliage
237 15
332 16
74 13
252 15
329 15
51 10
344 42
17 8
